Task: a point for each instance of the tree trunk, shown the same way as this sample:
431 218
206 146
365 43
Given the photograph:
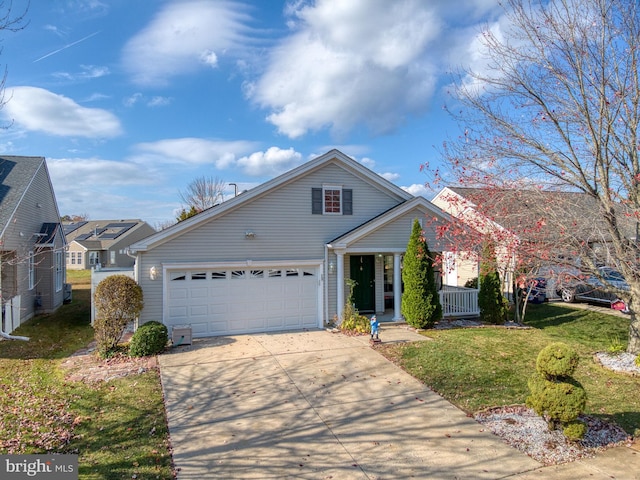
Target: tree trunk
634 328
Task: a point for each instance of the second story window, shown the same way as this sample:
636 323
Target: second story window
332 199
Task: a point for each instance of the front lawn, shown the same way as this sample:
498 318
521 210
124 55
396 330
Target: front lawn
117 428
477 368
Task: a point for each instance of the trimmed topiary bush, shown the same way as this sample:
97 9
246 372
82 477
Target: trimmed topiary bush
555 395
149 339
557 360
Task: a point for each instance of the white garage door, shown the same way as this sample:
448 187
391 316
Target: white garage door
243 300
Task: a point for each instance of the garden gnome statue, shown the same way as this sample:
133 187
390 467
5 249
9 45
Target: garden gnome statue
374 329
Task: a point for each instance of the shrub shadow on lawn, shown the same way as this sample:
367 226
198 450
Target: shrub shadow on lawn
550 315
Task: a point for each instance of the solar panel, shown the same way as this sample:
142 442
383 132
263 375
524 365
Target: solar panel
72 227
84 236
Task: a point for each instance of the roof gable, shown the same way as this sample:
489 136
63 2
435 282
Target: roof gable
16 175
100 233
386 218
332 157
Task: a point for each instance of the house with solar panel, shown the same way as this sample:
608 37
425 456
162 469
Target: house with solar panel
102 243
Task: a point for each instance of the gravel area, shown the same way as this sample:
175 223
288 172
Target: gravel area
622 362
521 428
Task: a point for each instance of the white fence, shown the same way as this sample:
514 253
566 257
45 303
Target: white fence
11 314
459 301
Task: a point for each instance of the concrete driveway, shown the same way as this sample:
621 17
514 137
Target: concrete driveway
318 405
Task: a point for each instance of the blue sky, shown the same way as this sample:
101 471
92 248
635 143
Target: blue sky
130 101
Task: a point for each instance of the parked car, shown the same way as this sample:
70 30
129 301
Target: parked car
592 289
536 288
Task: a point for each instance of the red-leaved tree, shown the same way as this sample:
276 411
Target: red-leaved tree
551 136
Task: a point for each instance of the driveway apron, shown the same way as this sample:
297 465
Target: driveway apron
317 405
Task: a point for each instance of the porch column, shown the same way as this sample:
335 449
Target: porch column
397 288
340 283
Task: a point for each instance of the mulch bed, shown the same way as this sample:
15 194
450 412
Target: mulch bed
86 366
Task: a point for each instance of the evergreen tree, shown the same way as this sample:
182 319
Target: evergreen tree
420 301
493 305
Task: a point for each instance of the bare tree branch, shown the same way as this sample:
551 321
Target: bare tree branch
558 109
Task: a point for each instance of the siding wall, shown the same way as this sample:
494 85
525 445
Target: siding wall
123 260
284 227
37 207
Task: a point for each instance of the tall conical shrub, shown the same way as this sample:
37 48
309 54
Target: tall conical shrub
420 301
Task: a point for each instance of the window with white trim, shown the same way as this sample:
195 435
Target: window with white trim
59 271
332 199
32 271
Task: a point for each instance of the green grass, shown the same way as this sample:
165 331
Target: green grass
479 368
117 428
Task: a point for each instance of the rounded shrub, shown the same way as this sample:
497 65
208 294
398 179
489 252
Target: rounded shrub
559 401
149 339
574 430
118 300
557 360
555 395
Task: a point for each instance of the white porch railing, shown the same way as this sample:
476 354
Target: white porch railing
459 301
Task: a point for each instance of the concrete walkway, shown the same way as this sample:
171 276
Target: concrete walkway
317 405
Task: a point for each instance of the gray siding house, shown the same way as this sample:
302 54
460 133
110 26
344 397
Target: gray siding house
277 257
32 270
102 243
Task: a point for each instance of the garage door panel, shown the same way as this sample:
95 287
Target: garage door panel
199 311
309 321
178 311
199 329
179 293
199 292
219 301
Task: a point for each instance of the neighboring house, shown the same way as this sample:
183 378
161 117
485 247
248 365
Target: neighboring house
277 257
554 219
32 269
102 243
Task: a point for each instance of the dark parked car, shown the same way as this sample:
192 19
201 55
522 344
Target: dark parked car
591 289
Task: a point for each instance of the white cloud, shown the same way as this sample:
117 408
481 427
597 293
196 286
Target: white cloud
418 189
271 162
362 61
37 109
159 101
195 151
105 189
183 36
84 172
392 177
87 72
131 100
368 162
209 58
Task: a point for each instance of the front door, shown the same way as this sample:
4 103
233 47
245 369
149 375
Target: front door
362 271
